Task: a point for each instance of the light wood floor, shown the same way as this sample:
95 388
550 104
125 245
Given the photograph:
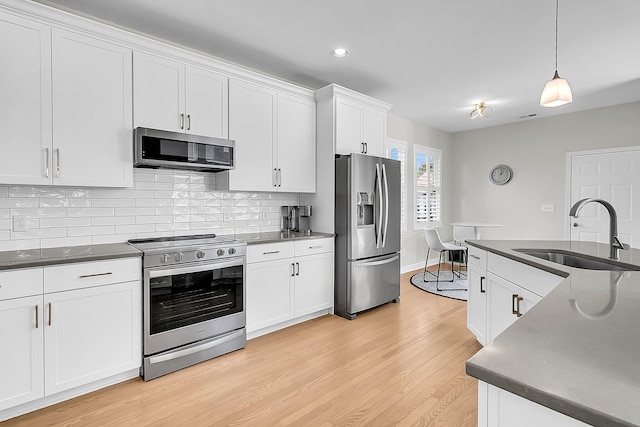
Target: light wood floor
400 364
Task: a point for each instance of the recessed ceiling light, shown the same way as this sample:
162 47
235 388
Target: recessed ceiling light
340 52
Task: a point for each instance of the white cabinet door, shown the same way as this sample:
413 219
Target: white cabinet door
374 130
296 146
21 369
348 127
158 93
477 304
91 334
506 301
269 293
207 97
251 125
505 409
25 110
313 283
92 105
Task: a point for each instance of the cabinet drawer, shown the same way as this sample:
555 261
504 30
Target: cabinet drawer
87 274
313 246
20 283
478 257
538 281
269 251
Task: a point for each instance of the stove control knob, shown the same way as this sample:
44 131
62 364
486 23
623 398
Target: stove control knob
200 254
232 251
164 258
220 252
179 257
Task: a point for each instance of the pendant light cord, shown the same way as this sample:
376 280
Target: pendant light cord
557 1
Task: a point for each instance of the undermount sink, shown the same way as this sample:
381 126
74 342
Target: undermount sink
576 260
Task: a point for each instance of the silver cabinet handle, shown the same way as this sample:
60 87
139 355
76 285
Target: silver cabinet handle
279 177
181 121
515 304
474 256
482 289
46 162
270 252
57 163
275 177
366 148
297 268
293 270
49 314
84 276
37 322
188 121
315 247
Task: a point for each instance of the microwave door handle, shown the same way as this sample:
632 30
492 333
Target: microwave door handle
379 225
386 203
195 268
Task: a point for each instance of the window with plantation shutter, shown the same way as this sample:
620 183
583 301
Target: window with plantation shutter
428 187
397 150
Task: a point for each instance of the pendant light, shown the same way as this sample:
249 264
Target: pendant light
557 91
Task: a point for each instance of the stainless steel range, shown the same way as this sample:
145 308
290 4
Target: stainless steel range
194 300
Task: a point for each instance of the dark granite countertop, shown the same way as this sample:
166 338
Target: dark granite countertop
65 255
578 350
279 236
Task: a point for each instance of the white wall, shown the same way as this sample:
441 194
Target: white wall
161 203
414 247
536 150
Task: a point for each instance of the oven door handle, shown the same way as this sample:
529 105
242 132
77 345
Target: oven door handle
196 268
187 351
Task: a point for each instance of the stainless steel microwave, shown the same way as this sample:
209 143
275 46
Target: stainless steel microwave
173 150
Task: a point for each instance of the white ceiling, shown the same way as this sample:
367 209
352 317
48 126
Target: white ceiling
431 59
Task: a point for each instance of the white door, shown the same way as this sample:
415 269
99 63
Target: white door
158 93
251 125
25 110
615 177
92 112
296 148
477 304
374 131
207 103
21 369
348 127
269 293
506 300
91 334
313 283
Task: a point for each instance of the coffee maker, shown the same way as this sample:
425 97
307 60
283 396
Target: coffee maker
296 219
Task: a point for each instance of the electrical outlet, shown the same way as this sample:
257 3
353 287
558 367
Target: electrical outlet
548 208
19 223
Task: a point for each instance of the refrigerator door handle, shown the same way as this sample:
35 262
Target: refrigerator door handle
379 262
386 204
379 227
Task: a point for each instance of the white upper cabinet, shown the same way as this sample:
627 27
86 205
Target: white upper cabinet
25 105
92 105
296 144
172 96
275 140
360 122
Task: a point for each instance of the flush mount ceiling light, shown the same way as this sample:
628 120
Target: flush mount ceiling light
557 91
339 52
481 110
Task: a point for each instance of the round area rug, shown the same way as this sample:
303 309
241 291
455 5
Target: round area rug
417 280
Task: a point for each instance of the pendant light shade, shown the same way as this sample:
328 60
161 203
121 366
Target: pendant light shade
557 91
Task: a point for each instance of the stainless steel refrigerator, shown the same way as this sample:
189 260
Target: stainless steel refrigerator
367 225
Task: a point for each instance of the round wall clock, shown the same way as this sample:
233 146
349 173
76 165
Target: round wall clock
501 174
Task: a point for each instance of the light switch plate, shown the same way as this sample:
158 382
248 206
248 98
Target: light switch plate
549 208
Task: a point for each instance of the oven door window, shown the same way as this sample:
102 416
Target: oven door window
180 300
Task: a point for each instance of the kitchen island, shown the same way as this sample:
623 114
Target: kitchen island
577 350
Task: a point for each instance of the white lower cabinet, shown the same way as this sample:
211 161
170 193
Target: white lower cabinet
288 282
506 303
68 326
505 409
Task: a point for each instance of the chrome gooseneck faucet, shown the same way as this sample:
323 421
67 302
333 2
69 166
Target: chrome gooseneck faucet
615 243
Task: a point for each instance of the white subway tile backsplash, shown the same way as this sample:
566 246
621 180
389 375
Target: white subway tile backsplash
162 203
